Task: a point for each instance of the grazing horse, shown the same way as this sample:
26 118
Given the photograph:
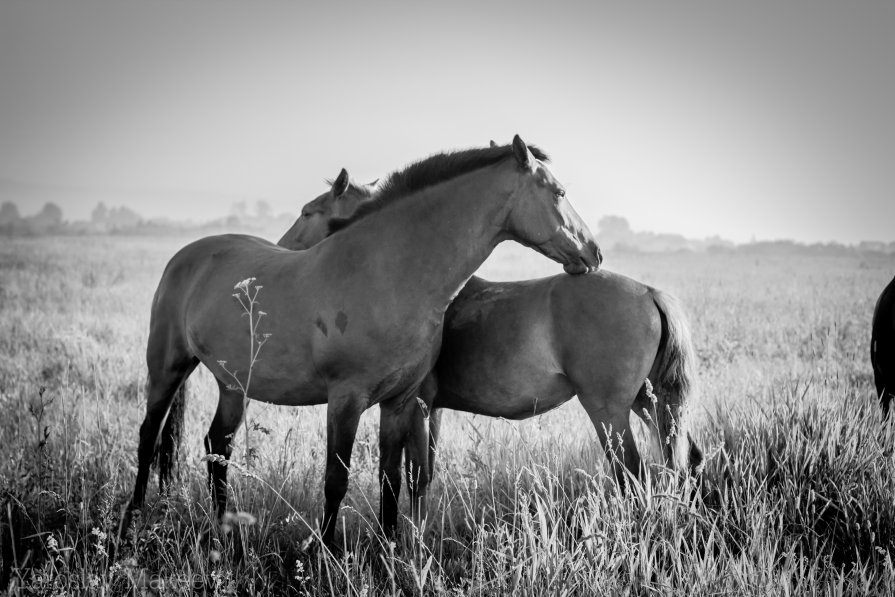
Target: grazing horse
357 316
882 347
518 349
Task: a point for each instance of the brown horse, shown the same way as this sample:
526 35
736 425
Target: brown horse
518 349
882 347
358 316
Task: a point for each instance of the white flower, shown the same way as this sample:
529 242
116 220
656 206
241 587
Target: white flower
300 572
244 285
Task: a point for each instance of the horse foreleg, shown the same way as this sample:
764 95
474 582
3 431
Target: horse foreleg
393 431
342 417
219 442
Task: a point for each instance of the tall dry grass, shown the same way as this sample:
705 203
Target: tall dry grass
802 467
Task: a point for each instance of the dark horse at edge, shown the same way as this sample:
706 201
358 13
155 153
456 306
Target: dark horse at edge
882 347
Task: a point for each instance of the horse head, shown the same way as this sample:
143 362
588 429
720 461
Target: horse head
542 218
340 201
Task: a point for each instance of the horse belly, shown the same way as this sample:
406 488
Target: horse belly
512 387
280 375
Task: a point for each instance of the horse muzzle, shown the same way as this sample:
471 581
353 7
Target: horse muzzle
588 259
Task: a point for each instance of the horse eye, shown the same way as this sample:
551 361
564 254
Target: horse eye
560 193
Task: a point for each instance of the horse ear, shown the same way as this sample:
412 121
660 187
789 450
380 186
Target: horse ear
341 183
523 155
493 144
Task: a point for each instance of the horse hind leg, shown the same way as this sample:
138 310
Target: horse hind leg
665 419
393 431
219 442
611 420
420 447
162 385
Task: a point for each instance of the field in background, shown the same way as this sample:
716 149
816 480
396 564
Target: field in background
803 467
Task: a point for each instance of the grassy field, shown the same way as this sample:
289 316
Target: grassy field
802 466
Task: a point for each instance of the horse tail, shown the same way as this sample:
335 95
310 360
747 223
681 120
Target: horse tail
170 439
673 376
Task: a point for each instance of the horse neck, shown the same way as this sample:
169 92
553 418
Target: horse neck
436 240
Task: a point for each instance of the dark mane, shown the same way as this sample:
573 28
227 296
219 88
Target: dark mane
428 172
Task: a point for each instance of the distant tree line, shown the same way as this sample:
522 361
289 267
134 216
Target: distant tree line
124 220
613 232
47 221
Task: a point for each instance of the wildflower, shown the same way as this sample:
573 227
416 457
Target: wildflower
244 285
52 544
648 387
222 363
300 572
423 406
100 538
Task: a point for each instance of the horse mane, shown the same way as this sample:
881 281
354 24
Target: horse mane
428 172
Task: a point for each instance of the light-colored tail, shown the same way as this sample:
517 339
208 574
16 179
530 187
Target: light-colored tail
674 385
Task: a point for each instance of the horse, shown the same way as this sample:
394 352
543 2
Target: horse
882 347
358 316
341 201
519 349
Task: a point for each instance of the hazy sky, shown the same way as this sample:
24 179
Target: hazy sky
763 119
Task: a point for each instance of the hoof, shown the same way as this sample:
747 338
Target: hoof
311 545
314 544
